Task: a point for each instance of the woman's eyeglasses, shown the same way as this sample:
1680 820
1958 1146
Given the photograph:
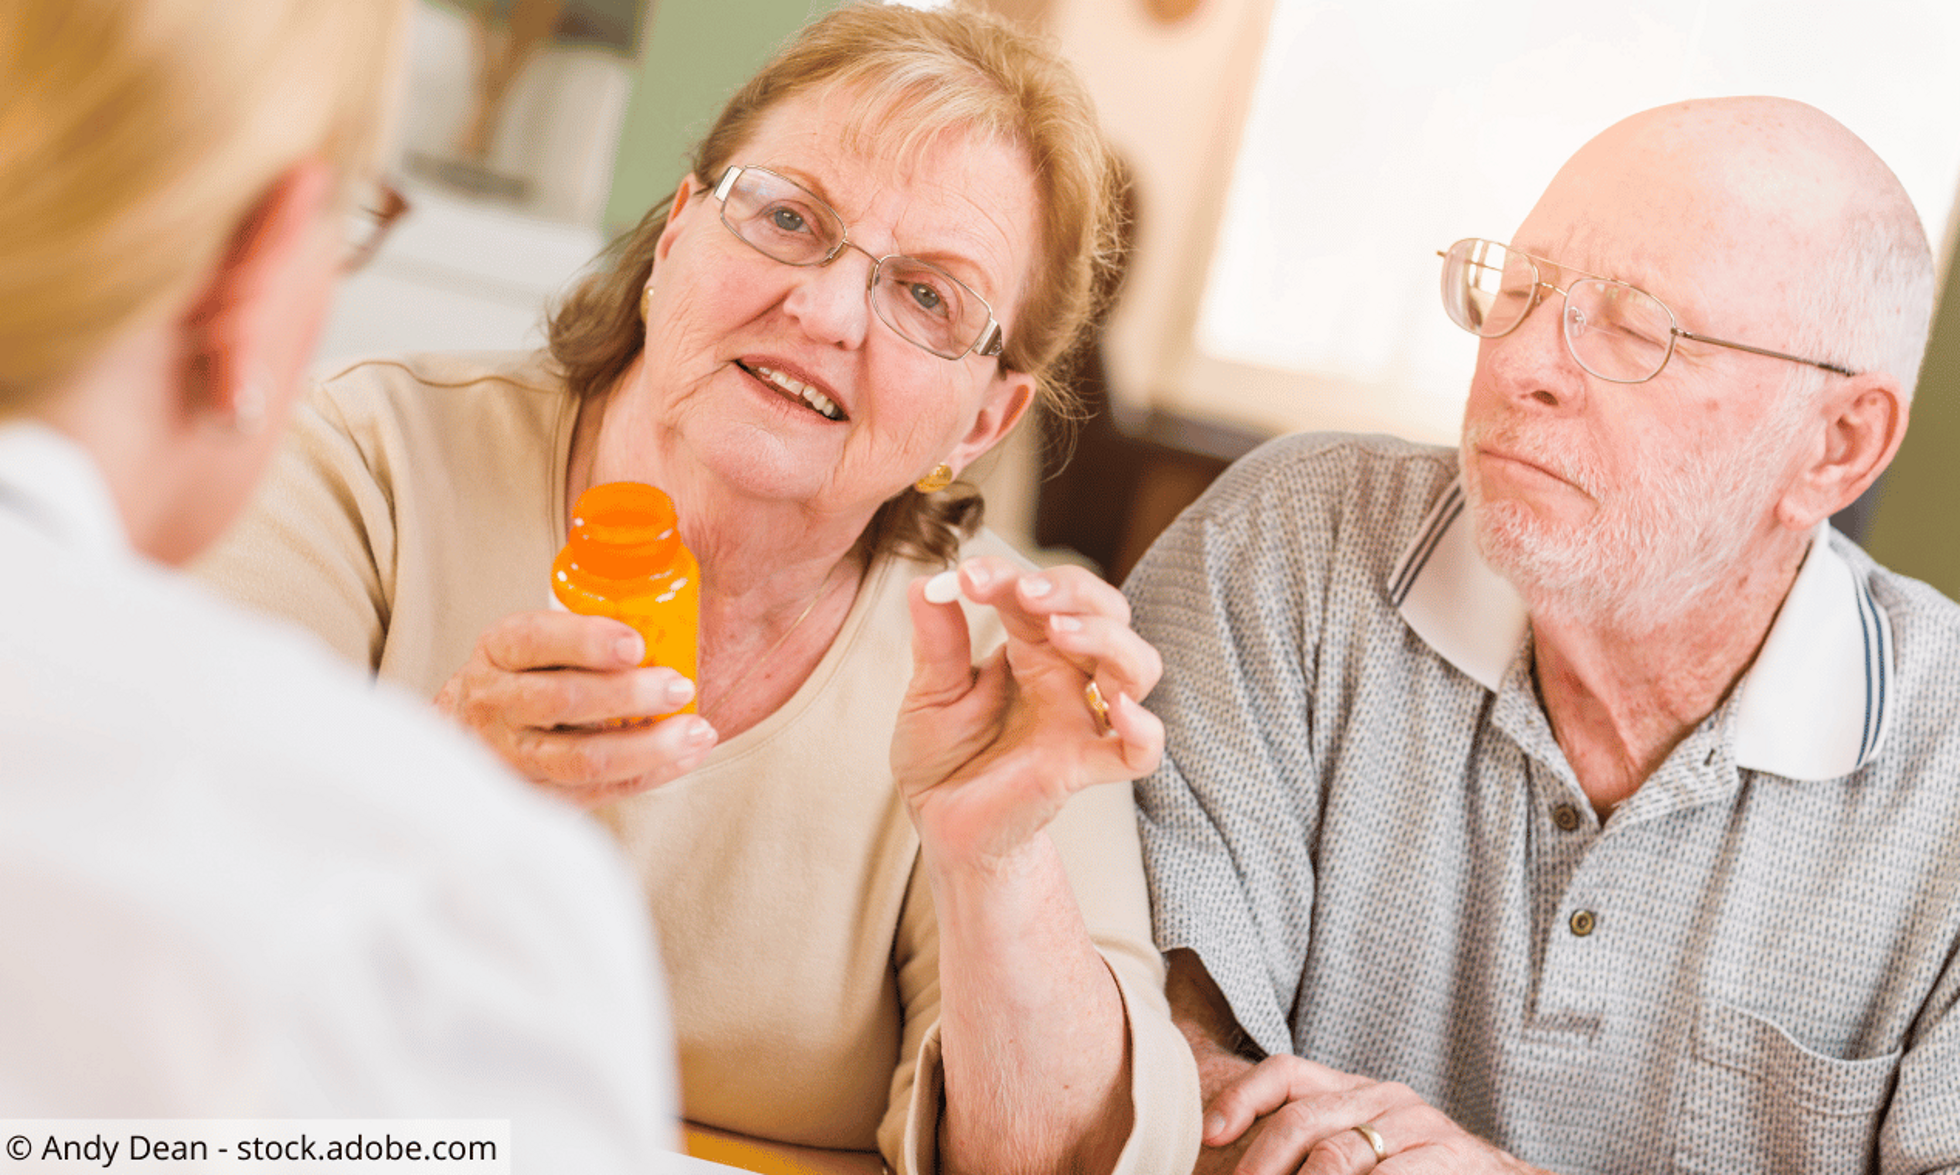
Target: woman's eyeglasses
927 307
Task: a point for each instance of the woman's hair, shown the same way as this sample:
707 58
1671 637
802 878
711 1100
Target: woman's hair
136 135
911 76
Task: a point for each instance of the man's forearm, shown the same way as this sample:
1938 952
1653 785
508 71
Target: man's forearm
1220 1047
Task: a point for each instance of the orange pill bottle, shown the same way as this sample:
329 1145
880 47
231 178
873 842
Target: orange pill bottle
625 559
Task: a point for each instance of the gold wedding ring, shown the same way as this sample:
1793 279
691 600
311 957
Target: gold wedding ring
1374 1139
1097 706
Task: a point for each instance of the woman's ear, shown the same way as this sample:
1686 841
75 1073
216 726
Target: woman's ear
1863 422
251 329
1008 398
676 212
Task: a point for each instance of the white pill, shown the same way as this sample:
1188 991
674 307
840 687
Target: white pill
943 588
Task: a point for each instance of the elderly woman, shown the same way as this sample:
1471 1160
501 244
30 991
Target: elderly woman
234 882
875 899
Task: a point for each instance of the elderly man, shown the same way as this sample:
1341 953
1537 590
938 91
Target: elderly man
1580 799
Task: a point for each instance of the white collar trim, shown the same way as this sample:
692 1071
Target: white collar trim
52 485
1813 706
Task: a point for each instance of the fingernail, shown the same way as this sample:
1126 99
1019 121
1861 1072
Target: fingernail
943 588
1213 1124
1037 586
979 575
1065 623
679 691
701 735
630 648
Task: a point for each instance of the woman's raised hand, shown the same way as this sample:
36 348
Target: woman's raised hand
561 698
986 757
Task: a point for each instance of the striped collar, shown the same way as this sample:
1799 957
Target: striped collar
1813 706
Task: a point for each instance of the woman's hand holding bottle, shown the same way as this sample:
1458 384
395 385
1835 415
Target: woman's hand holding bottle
555 695
574 700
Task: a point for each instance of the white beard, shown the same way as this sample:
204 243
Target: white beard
1658 546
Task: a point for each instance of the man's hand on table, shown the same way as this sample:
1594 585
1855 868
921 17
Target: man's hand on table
1288 1114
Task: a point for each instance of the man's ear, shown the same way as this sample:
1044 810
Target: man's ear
259 311
1863 422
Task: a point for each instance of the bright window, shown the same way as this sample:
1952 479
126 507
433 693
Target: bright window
1382 130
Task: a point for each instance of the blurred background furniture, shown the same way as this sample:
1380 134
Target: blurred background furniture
456 274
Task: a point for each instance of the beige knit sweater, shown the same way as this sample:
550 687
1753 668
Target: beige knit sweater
418 500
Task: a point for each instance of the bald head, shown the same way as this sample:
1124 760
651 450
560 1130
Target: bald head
1798 230
1773 155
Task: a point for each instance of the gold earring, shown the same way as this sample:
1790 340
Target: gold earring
646 302
940 477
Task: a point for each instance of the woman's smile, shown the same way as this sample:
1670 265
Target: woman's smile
797 390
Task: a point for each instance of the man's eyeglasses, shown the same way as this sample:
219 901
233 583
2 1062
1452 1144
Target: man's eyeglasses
378 206
928 307
1618 332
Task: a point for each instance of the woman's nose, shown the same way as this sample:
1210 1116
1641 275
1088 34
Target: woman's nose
831 302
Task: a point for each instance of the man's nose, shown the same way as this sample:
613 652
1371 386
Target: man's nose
1532 364
830 301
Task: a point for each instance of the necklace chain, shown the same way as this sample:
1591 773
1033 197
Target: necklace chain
822 590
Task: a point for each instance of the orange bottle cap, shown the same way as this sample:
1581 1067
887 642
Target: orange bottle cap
624 530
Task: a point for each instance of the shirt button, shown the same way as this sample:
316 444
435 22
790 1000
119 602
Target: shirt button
1581 923
1566 817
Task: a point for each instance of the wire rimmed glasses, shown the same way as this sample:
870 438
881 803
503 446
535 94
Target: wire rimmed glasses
377 207
1618 332
926 306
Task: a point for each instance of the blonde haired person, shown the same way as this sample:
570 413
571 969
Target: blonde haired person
234 882
875 901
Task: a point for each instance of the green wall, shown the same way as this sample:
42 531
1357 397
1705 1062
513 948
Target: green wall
1916 528
698 52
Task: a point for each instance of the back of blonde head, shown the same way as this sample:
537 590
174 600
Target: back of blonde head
135 135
